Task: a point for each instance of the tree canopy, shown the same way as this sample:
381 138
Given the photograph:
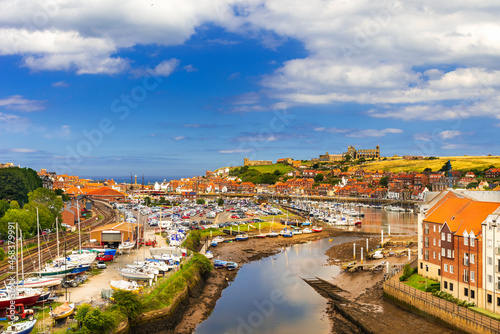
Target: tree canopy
16 183
446 167
384 181
49 207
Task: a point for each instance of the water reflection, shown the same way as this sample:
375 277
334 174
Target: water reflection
269 296
376 220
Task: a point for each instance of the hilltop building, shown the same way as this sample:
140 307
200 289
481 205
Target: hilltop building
247 162
7 165
365 153
327 157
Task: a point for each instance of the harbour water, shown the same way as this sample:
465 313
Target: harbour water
269 296
376 220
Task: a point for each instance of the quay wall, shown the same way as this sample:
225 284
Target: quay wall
437 309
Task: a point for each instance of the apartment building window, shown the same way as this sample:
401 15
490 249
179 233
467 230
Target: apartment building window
489 243
443 251
434 241
439 242
434 227
449 253
426 228
451 269
451 286
466 275
490 260
489 298
466 241
472 294
466 259
445 285
490 279
434 255
449 237
421 265
466 292
472 278
445 268
439 256
439 272
472 241
473 258
427 255
498 301
426 241
498 283
443 236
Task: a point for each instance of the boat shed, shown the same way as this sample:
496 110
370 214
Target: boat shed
114 234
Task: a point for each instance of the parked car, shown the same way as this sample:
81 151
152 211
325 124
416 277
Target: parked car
66 225
103 258
101 265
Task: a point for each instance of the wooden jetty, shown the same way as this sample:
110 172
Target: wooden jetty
352 267
325 288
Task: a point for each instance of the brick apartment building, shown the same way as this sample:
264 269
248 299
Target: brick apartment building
451 246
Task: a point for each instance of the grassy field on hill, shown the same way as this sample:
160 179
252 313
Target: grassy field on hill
462 163
271 168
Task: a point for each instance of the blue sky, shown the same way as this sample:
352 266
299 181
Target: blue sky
175 88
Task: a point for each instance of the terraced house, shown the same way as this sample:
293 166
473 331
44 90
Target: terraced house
457 247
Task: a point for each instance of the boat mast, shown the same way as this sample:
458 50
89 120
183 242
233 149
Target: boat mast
79 234
57 234
38 235
22 258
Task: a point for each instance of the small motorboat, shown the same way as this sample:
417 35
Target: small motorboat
214 243
241 237
62 311
378 255
297 231
317 229
218 264
219 239
358 223
231 265
125 286
288 234
273 234
261 236
24 327
307 230
209 254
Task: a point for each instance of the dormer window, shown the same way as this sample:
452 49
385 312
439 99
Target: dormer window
466 241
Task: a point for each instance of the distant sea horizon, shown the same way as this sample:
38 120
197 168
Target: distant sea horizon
126 179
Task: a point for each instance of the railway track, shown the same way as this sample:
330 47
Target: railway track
67 240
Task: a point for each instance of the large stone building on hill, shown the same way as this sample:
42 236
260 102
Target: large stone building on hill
247 162
366 153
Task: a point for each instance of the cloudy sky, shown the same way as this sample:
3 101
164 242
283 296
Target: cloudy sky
173 88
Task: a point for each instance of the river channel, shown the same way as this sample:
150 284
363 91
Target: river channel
269 296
